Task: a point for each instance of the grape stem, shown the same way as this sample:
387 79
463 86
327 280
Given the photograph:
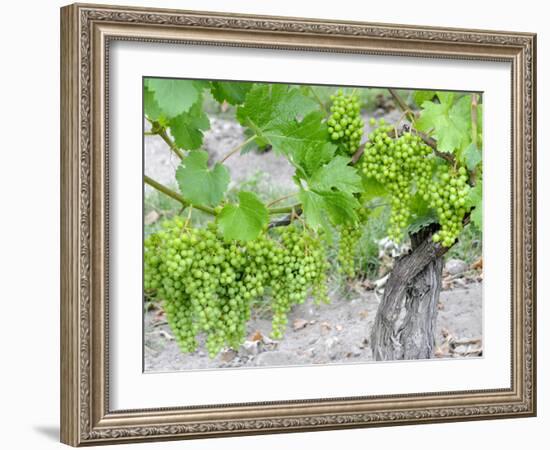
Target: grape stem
474 119
161 131
237 148
321 104
274 202
287 220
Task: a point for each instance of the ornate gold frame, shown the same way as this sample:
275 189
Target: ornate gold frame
86 31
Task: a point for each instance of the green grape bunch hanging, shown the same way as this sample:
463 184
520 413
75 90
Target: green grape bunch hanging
345 124
350 235
208 284
406 167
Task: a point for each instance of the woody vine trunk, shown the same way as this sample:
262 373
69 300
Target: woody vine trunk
404 327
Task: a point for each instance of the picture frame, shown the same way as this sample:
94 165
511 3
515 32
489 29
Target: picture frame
87 32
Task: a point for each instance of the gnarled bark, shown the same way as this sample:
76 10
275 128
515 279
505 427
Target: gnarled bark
405 321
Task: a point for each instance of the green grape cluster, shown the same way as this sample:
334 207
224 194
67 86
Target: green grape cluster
350 235
345 124
407 167
207 284
401 165
300 263
448 199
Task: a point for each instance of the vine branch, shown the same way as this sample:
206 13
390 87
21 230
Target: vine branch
174 195
402 105
159 130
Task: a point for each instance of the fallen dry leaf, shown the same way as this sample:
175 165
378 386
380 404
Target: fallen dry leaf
478 265
298 324
256 336
364 314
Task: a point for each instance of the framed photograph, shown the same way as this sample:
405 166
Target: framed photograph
281 224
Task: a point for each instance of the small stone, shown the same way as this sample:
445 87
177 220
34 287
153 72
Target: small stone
331 342
456 266
250 348
151 217
228 355
379 112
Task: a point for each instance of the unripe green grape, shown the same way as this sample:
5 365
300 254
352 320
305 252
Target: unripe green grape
408 166
215 298
346 121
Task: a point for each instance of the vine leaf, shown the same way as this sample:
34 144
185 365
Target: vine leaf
450 121
245 221
232 92
174 96
475 200
471 156
337 174
421 214
319 207
187 128
197 183
269 111
313 206
423 96
295 138
372 188
151 108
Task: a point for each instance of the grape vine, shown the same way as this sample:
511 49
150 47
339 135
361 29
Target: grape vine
210 276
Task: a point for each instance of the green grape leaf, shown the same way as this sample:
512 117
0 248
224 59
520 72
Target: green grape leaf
471 156
245 221
305 143
341 207
199 184
187 128
423 96
150 106
232 92
174 96
272 113
420 222
451 124
475 200
313 207
446 98
372 189
318 207
315 156
337 174
421 214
